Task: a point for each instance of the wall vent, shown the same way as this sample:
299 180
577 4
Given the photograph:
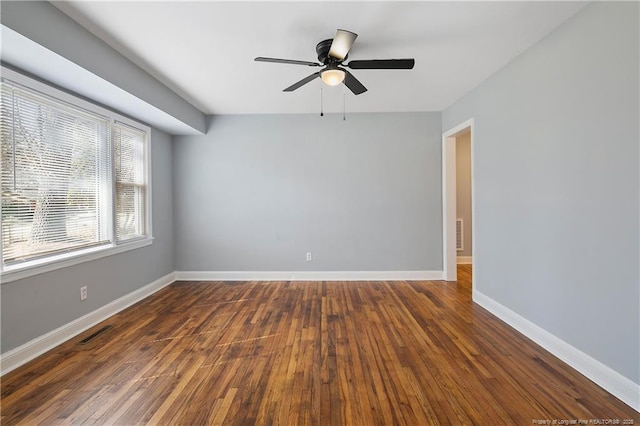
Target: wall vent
459 235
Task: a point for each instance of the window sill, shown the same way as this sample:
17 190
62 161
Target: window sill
36 267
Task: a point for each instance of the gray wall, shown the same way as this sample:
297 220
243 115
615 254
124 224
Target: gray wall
556 184
463 190
36 305
259 191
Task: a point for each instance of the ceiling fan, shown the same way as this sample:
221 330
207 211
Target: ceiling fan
331 54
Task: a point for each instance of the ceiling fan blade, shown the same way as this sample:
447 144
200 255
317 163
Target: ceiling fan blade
353 83
341 44
287 61
382 64
302 82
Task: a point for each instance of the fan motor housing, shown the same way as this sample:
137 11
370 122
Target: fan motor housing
322 49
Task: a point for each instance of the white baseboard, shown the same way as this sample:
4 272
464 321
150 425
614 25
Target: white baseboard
22 354
610 380
464 260
309 275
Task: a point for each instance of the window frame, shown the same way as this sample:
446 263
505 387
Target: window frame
74 257
147 176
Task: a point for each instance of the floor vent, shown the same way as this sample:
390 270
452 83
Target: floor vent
459 235
94 335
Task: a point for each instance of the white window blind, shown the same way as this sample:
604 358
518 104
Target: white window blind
130 151
55 178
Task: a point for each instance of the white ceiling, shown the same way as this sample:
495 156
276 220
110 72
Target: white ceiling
204 50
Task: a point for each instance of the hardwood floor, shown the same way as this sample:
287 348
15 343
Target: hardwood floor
330 353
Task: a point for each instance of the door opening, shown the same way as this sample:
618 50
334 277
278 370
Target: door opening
450 212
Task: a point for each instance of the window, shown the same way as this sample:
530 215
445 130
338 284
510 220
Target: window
131 188
74 178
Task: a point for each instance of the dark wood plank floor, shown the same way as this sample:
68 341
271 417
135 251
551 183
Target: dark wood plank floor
285 353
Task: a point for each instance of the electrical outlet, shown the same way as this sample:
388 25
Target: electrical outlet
309 257
83 292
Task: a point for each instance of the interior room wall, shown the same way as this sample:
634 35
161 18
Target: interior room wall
556 168
463 190
260 191
34 306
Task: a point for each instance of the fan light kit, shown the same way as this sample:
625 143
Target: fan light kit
331 54
332 77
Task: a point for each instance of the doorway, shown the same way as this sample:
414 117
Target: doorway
451 228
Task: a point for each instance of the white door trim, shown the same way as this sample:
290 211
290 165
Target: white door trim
449 255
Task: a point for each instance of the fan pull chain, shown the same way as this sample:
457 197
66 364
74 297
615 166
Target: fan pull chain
344 105
321 106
